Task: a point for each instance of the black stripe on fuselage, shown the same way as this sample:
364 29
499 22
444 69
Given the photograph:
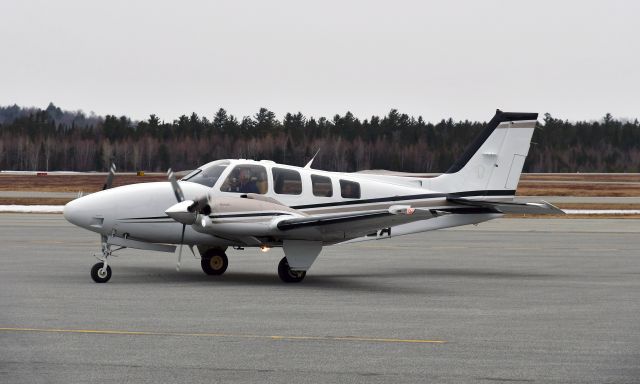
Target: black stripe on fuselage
147 218
408 197
145 221
167 219
247 215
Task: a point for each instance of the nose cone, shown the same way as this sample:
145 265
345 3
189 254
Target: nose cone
133 209
78 212
180 212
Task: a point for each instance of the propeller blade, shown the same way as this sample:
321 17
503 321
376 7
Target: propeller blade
112 173
192 252
176 187
180 251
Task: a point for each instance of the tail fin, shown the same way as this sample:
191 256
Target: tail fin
493 162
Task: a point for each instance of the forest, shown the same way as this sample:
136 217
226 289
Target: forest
52 139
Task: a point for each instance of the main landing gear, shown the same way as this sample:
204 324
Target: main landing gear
214 261
287 275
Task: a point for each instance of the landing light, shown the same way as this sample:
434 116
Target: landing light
264 248
203 222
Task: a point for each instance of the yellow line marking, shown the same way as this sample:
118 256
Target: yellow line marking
244 336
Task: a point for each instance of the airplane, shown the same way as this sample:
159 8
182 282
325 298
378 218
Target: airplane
243 203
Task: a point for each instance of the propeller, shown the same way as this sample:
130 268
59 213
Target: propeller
176 187
177 191
107 184
112 172
186 211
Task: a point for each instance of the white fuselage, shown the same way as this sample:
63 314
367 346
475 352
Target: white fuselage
137 211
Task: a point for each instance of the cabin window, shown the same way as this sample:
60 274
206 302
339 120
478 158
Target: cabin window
349 189
207 175
321 186
246 179
286 181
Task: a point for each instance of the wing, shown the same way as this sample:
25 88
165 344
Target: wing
349 225
534 208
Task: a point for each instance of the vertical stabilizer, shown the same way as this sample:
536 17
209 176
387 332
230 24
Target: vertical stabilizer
493 161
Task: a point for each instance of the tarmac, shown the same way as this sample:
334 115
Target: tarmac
512 300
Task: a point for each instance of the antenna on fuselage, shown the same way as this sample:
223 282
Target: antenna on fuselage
308 166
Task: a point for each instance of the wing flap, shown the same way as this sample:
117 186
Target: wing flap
533 208
354 224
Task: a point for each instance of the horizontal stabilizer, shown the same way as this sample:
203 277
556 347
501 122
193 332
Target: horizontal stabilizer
533 208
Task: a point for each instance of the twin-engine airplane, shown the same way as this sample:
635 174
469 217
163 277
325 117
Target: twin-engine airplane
246 203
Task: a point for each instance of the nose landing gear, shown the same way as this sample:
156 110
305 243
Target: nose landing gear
101 272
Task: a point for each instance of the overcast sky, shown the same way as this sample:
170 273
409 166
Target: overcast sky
461 59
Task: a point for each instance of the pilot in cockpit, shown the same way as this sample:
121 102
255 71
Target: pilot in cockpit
246 179
246 184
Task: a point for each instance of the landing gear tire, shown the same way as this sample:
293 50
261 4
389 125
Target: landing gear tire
287 275
100 274
214 262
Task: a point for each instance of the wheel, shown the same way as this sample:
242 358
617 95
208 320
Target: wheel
287 275
99 275
214 262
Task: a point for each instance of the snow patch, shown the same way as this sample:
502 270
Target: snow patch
32 208
602 211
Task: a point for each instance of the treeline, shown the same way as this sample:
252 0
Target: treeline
52 139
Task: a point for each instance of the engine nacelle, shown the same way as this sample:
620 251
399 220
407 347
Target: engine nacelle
237 216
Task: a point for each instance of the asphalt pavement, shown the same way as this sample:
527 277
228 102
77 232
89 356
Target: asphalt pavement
513 300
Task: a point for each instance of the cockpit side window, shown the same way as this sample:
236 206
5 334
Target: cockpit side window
207 175
246 178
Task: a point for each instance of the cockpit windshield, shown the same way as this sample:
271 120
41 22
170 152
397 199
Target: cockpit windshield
208 174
